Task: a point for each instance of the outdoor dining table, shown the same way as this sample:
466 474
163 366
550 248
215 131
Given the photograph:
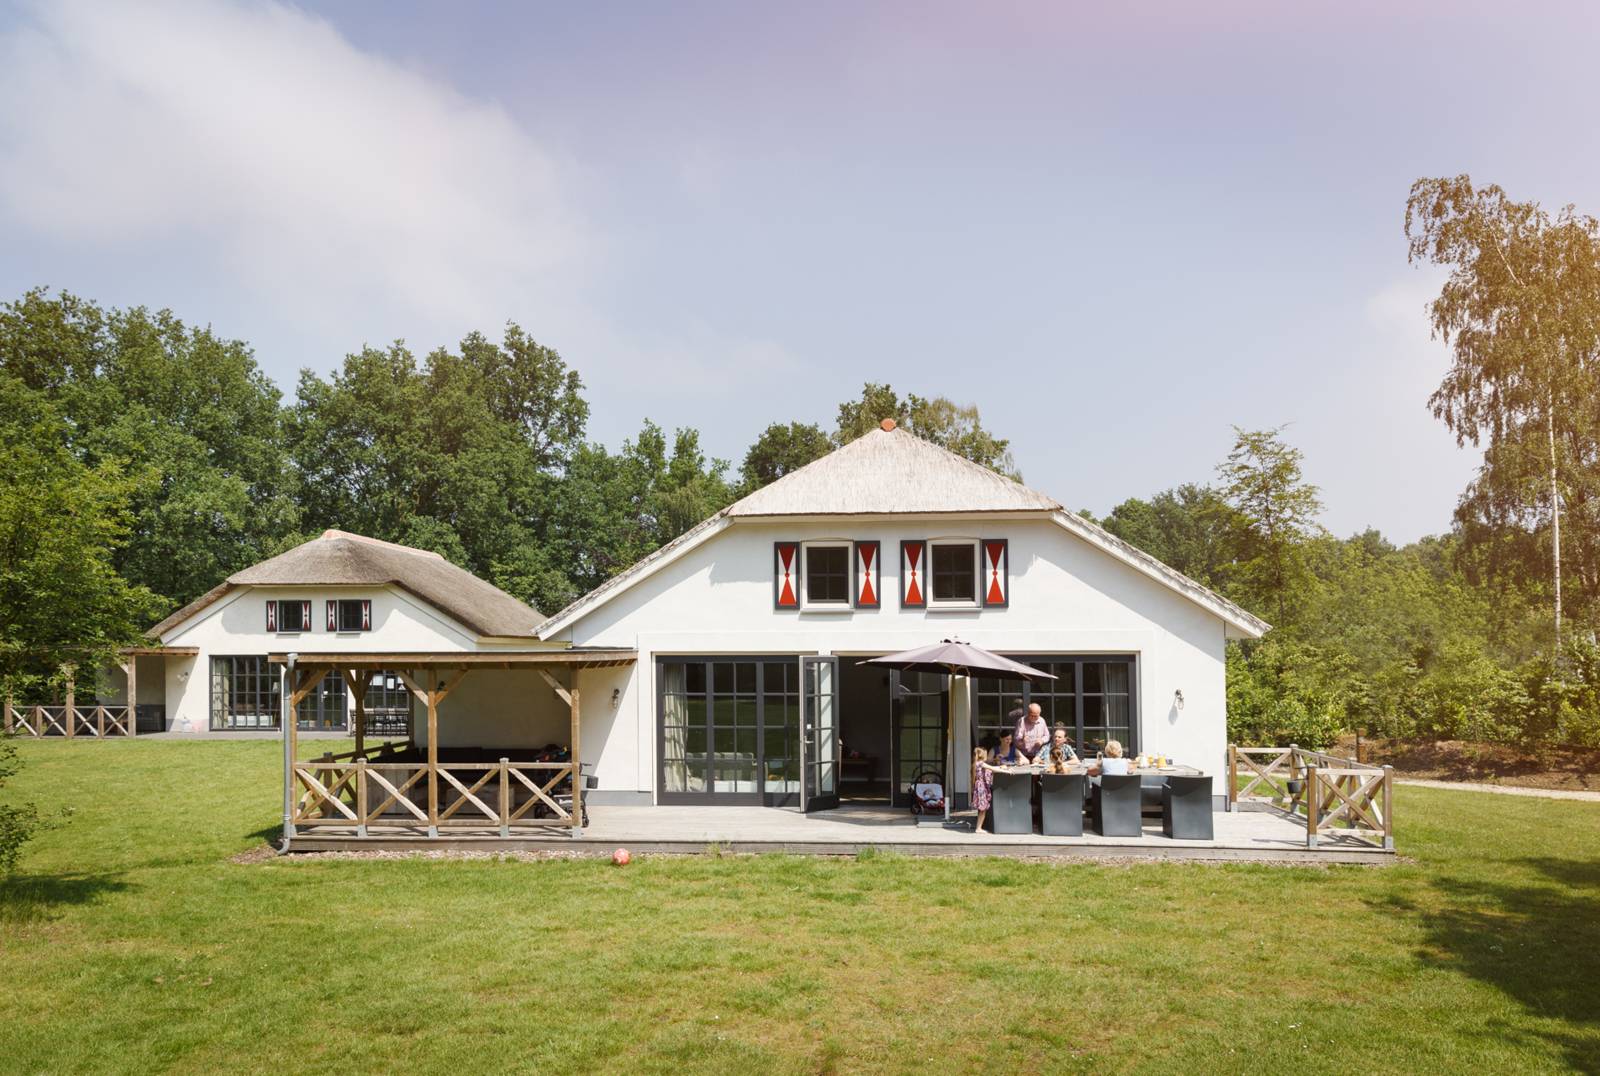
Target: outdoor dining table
1061 796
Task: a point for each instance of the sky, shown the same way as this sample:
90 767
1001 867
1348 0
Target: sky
1119 233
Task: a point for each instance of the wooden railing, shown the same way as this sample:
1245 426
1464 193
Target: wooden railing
67 721
366 792
1339 796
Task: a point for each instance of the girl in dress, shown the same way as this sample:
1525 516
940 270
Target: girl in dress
982 785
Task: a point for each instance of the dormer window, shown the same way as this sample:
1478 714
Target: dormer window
826 576
953 573
288 615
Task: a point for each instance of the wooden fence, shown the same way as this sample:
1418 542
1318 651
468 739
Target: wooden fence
1339 796
365 793
68 721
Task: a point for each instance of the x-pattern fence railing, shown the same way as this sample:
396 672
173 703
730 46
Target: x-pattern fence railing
67 721
1340 797
364 793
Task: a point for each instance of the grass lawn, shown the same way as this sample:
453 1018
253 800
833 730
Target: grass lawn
131 941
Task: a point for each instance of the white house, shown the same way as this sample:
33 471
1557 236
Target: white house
725 667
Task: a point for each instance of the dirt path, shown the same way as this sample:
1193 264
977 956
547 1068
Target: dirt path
1504 790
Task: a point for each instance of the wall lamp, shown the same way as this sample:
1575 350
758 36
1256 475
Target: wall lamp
1177 698
616 697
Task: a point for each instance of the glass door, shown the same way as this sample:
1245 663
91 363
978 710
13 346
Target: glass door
820 738
920 713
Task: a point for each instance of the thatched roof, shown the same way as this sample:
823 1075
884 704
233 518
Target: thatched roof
341 559
891 472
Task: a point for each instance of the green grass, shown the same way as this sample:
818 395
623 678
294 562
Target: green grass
132 942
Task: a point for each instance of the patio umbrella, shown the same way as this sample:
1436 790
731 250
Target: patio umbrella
955 658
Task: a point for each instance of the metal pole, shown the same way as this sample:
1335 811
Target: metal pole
950 744
285 718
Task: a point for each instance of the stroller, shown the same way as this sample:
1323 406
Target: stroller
927 793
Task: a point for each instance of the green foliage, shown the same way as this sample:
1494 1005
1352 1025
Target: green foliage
187 416
1521 313
1186 528
781 449
949 425
1274 514
61 523
18 822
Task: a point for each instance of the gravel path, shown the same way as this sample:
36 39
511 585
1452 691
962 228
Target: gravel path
1504 790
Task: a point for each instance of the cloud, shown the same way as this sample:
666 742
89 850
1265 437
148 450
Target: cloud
258 138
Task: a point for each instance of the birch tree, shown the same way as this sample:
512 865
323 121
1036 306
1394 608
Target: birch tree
1520 312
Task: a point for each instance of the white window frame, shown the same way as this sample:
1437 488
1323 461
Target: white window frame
806 604
936 603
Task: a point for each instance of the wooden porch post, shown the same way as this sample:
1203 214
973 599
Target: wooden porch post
72 700
133 695
357 682
1313 806
433 757
577 762
8 714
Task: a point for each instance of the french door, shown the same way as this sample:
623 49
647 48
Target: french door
921 714
819 739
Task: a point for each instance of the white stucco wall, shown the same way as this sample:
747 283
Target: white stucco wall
236 625
1066 597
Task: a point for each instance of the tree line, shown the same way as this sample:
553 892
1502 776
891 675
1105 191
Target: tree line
143 459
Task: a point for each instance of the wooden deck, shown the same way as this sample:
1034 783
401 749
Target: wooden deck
1255 832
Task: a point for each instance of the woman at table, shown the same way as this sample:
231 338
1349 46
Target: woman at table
1112 764
1006 753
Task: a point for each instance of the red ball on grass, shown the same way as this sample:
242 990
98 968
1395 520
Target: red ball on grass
621 857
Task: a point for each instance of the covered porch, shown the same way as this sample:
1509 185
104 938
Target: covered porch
421 788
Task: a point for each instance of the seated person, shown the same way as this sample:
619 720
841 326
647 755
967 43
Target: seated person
1112 764
1006 754
1059 739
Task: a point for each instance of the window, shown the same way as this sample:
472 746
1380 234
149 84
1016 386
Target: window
730 730
324 705
953 573
245 693
388 705
288 614
350 614
827 574
1092 696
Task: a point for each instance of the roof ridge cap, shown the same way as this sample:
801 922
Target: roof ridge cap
333 533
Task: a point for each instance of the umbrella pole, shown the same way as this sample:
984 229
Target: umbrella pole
950 744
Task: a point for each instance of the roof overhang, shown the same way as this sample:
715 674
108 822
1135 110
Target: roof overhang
477 659
160 651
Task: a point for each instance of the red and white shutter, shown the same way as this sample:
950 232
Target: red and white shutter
786 575
333 615
272 616
996 580
868 575
366 615
913 574
305 616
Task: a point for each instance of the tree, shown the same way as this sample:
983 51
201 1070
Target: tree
183 412
1185 528
1274 515
947 424
1520 312
781 449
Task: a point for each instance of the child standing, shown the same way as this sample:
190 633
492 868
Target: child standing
982 785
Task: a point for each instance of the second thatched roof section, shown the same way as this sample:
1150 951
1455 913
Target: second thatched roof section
340 559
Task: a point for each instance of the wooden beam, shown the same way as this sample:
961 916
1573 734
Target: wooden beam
555 685
308 680
445 659
358 688
133 696
443 691
72 700
577 764
433 765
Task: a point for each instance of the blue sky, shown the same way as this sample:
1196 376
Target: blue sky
1118 233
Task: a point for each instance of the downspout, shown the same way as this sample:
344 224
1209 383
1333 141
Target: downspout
285 685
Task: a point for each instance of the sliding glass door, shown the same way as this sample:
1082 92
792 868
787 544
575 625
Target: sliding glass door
729 730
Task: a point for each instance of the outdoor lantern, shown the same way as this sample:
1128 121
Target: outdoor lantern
616 697
1177 698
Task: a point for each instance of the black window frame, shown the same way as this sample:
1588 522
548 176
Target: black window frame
343 605
777 676
250 680
935 573
987 690
302 611
329 698
841 576
388 704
